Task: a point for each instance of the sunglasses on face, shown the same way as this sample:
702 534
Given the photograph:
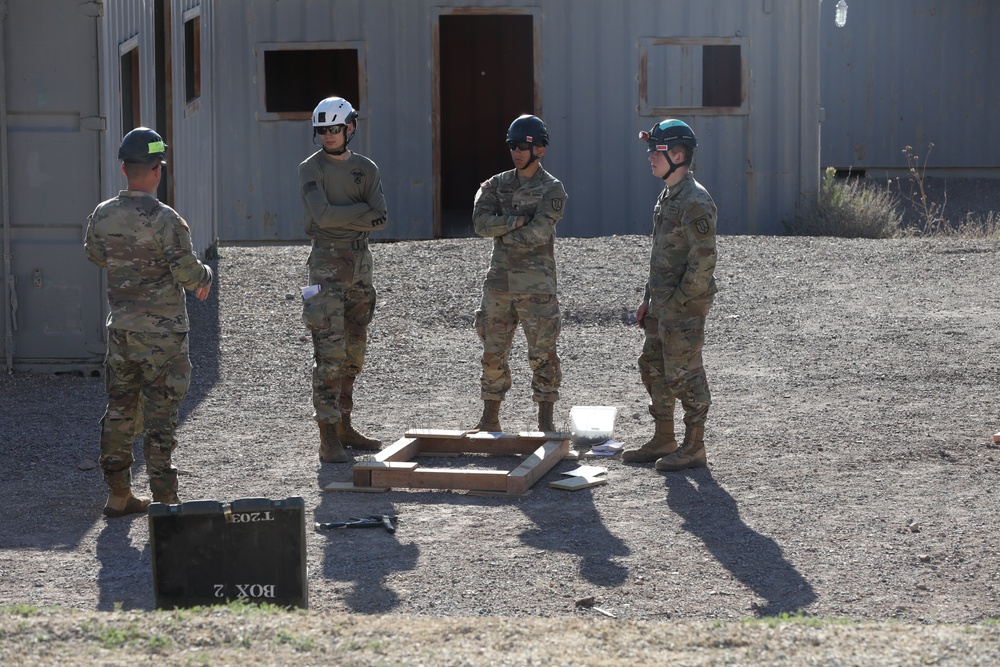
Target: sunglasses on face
330 129
519 145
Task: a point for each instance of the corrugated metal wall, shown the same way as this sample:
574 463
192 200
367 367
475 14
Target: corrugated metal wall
50 143
190 153
192 146
908 74
756 164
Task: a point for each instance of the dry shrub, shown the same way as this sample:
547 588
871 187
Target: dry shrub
849 208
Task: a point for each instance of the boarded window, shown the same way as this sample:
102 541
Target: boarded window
192 57
691 76
297 78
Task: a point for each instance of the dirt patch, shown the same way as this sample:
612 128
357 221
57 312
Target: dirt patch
851 468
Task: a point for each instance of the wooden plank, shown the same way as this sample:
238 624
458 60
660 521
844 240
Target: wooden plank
403 449
435 478
545 435
509 445
577 483
395 465
540 462
348 486
362 476
497 494
435 433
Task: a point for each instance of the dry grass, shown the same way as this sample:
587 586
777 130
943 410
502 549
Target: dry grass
970 227
863 208
266 637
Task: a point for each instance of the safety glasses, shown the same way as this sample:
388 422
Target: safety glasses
519 145
330 129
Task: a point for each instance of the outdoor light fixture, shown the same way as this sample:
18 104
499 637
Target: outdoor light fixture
840 18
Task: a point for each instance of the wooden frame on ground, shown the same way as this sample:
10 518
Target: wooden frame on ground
392 467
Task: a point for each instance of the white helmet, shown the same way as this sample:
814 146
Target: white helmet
334 111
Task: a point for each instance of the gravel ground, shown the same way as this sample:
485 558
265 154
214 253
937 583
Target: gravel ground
852 475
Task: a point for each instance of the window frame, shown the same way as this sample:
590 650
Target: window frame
263 48
192 69
648 109
131 90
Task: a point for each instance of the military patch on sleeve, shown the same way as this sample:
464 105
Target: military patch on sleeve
557 204
484 184
701 224
309 187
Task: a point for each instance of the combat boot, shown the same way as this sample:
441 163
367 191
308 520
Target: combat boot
122 502
663 443
490 421
167 498
331 449
690 455
351 438
545 421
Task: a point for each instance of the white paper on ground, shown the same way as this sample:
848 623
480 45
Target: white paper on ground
609 448
586 471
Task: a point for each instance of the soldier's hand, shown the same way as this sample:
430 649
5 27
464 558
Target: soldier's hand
640 314
202 292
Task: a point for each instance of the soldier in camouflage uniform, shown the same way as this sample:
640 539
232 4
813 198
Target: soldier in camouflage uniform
146 248
678 296
519 210
343 201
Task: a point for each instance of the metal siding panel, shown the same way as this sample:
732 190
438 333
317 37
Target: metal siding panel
911 73
191 147
397 38
121 22
239 134
59 319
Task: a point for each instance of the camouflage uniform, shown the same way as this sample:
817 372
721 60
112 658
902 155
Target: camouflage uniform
521 283
146 248
680 291
343 203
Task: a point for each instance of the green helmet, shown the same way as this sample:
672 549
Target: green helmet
668 133
143 146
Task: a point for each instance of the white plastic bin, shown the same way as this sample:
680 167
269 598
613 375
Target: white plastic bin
592 421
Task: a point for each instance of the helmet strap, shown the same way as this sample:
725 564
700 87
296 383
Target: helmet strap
532 158
343 150
673 167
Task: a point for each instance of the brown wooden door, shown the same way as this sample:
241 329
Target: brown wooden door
486 81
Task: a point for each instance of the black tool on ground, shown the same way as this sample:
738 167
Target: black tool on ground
373 521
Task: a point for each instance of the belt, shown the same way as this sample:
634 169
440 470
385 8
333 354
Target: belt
358 244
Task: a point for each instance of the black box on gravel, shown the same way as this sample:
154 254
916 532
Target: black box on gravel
207 552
